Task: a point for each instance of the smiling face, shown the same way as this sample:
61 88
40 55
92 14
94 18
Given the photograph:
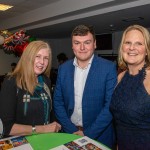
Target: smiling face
41 61
83 47
133 49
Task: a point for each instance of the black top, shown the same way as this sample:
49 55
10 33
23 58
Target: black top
131 110
18 106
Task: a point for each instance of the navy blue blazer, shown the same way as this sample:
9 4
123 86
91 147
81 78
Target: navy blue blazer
99 86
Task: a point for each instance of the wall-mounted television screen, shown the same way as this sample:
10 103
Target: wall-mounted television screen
104 42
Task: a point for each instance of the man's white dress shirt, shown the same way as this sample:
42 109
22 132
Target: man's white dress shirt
80 77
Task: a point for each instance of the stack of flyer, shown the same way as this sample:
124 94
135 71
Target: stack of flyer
83 143
15 143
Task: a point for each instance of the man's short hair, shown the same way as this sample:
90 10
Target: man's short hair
82 30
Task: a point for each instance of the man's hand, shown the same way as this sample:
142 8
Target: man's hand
79 133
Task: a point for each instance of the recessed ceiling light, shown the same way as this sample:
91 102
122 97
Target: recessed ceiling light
132 19
4 7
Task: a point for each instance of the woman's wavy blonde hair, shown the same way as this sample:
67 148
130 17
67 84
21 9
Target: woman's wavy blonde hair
24 71
121 63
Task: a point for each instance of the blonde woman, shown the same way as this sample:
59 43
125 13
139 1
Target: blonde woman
131 99
25 101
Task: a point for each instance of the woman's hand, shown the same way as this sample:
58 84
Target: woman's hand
52 127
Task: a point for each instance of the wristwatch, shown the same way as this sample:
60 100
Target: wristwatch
33 129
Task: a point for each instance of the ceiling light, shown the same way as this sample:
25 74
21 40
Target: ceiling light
4 7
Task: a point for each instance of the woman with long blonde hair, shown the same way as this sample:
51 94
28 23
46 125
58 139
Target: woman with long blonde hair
130 103
26 109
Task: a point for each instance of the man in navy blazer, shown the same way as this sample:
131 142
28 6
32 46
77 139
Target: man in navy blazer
84 88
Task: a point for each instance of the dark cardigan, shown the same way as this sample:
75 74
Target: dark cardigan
12 107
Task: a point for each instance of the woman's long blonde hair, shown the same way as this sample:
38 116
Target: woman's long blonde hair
24 71
121 63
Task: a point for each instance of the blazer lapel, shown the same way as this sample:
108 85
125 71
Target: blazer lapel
71 85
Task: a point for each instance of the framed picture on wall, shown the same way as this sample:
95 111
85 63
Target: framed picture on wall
104 42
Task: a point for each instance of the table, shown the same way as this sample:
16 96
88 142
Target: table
50 140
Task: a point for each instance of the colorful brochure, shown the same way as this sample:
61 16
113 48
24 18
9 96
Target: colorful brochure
15 143
83 143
